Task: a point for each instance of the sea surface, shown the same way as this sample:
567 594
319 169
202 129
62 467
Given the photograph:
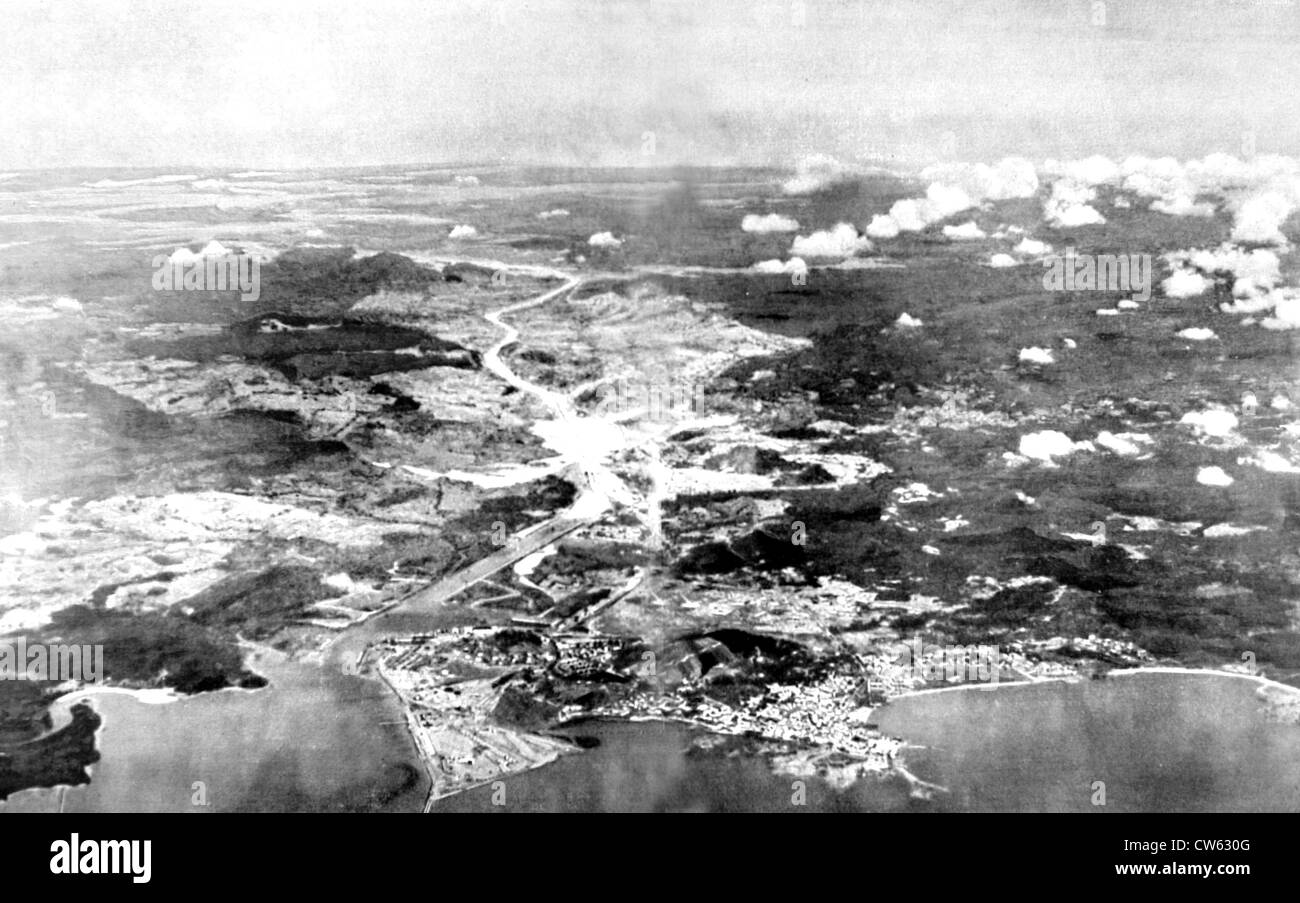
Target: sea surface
314 740
1169 742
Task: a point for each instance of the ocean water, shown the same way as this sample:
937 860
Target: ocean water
1158 742
1161 741
314 740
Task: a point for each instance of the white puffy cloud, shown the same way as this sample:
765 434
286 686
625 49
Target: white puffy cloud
1272 462
553 214
841 241
1257 302
1212 422
966 231
908 216
773 222
1259 218
1261 192
462 231
1045 445
1286 314
1002 260
1255 275
1183 283
1036 355
907 321
1162 177
1013 177
940 202
955 187
1213 476
1032 247
604 240
1182 205
1076 215
1067 207
882 225
1197 334
1257 269
943 200
793 265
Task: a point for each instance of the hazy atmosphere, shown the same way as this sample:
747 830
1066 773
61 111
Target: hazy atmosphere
154 83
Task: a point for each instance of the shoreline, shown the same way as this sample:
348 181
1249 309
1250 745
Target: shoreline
1077 678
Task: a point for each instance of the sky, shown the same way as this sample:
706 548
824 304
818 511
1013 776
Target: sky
634 82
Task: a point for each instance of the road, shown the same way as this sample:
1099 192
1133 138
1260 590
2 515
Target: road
518 546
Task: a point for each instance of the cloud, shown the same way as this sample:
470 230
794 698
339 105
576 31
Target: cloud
1013 177
943 200
966 231
1255 275
1259 219
1048 444
604 240
552 214
1002 260
1197 334
841 241
773 222
955 187
1213 476
1032 247
1172 186
1067 206
1036 355
213 248
1212 422
907 215
1261 192
1286 314
793 265
1075 215
1183 283
1259 267
882 225
940 202
462 231
907 321
1182 205
815 173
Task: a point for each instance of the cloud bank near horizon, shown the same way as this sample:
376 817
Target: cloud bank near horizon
156 82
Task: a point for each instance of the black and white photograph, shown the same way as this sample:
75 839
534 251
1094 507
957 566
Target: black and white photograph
650 406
